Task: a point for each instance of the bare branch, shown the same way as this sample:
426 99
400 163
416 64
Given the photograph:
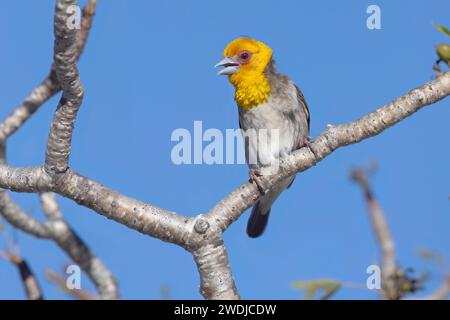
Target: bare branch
64 59
56 229
86 24
380 227
24 111
216 279
59 231
48 87
14 214
148 219
442 292
68 240
61 283
50 207
232 206
201 235
29 281
171 227
20 219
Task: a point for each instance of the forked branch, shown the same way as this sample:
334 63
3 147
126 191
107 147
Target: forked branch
201 235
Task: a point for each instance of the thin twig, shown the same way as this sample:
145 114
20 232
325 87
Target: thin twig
29 281
61 283
384 239
442 292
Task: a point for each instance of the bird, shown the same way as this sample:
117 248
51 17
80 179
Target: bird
266 100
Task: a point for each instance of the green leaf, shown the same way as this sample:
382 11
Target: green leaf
326 287
442 29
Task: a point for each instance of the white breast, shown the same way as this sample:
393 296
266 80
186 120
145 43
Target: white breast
272 129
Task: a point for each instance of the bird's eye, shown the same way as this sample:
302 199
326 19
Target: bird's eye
244 56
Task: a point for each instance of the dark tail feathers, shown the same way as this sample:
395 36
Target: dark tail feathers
258 220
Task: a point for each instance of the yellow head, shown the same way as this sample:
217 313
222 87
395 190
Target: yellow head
245 61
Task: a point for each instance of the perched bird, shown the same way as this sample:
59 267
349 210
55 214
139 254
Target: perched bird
266 100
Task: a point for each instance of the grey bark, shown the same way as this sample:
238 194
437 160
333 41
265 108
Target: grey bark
202 234
56 228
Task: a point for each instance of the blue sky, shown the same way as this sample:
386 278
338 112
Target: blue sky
147 70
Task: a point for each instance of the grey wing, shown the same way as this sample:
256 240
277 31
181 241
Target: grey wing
303 120
304 117
302 102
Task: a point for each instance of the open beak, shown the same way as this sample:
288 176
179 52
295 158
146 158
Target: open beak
230 66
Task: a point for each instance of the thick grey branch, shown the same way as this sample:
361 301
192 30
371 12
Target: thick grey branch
216 279
171 227
76 248
151 220
145 218
202 235
232 206
64 63
19 116
59 231
14 214
24 179
56 228
49 85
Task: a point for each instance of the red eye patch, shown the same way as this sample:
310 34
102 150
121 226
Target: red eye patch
244 56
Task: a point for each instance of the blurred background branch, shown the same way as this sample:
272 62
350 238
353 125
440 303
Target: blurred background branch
28 279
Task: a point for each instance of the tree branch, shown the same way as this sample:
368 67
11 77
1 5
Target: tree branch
210 255
232 206
14 214
86 24
68 240
391 289
442 292
171 227
61 283
49 86
56 228
29 281
200 235
64 59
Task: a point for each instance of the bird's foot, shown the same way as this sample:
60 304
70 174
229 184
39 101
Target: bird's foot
308 141
308 144
257 178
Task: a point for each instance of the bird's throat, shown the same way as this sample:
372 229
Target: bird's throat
251 89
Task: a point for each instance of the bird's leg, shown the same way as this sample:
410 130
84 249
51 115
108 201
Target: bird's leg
258 179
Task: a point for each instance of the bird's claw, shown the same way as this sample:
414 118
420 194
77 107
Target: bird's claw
308 144
257 178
